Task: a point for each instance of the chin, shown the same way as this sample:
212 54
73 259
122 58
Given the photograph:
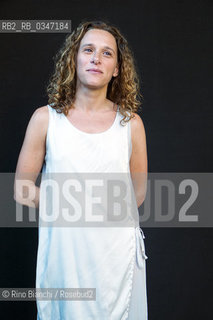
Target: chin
93 84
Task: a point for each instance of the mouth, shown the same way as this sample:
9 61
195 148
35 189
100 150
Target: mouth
95 70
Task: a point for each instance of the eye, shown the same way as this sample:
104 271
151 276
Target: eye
109 53
87 49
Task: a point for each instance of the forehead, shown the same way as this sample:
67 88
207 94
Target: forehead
97 36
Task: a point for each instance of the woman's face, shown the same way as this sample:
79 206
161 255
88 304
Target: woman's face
97 50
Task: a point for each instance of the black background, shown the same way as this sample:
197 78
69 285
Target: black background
171 45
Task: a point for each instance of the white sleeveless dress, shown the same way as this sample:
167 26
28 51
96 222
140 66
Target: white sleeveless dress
111 260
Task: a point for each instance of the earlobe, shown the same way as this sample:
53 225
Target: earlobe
115 72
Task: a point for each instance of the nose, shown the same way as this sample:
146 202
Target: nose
95 58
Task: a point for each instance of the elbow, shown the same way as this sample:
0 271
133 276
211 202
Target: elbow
140 202
15 193
17 198
26 194
140 199
18 194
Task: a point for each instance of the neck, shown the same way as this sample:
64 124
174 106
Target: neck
87 99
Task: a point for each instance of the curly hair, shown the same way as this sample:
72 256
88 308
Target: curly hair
122 89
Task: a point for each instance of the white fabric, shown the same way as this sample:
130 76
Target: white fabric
111 260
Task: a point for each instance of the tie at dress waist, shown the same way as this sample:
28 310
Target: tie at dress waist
140 248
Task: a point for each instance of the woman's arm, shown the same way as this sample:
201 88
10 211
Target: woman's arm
138 160
31 158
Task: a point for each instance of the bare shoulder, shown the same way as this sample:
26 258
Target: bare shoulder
40 118
41 114
137 127
38 123
138 160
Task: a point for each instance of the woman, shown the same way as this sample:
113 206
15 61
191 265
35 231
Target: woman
90 125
